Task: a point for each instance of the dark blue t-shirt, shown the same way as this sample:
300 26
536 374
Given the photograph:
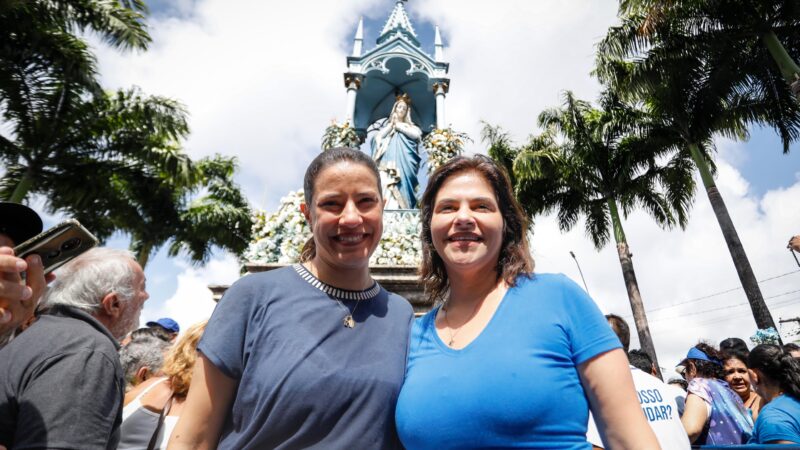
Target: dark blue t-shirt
778 420
304 379
516 385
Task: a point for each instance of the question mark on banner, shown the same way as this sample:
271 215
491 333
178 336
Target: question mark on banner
669 410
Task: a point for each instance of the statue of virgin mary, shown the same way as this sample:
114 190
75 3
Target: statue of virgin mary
395 149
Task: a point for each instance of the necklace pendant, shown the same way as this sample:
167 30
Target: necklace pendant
349 322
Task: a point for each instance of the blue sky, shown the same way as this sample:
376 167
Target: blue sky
263 79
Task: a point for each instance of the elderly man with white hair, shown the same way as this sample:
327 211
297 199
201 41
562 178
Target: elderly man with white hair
61 383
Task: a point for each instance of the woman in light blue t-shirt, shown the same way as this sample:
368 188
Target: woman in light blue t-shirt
775 375
511 359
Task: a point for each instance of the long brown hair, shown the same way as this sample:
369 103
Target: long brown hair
514 259
324 160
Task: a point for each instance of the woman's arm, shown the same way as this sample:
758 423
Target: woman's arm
206 407
609 385
694 416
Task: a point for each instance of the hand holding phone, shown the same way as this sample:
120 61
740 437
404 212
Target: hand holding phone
26 269
58 245
18 298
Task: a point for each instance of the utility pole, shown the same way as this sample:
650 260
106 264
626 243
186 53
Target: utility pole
579 271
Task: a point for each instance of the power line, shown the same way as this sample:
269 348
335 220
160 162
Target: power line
667 328
694 313
775 305
716 294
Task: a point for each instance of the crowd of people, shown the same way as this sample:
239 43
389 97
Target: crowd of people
319 355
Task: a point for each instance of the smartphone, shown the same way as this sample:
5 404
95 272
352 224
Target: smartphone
58 245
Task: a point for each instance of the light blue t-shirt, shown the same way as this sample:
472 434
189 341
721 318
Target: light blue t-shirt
517 384
778 420
304 379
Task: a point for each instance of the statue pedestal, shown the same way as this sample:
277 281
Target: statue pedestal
402 280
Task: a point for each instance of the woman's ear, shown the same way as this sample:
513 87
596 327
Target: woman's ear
306 212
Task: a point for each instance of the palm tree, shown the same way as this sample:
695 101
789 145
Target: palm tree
112 160
88 138
769 28
697 91
42 52
116 166
194 225
601 164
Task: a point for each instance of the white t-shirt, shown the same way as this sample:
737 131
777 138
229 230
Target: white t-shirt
658 401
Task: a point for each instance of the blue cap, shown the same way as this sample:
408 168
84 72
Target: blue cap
696 353
167 324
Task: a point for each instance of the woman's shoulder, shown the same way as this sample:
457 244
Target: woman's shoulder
783 404
142 387
276 280
547 281
427 318
394 297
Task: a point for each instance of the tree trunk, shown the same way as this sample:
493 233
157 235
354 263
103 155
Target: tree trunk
23 187
740 261
789 69
634 296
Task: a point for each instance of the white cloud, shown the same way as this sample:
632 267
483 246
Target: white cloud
192 301
263 79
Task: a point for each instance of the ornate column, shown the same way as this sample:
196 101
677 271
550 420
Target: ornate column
440 89
352 82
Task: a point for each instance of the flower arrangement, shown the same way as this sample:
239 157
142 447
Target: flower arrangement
765 336
400 245
443 144
279 237
340 136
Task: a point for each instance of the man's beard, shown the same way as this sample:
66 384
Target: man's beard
124 325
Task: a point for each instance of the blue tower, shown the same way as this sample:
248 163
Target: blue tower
397 65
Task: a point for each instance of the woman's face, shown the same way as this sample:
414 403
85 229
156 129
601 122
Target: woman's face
346 217
401 109
737 376
466 225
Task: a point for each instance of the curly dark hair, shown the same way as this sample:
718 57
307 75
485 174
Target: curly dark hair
734 354
514 259
708 369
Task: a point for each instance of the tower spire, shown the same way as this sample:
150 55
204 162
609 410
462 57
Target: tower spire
358 41
438 47
398 22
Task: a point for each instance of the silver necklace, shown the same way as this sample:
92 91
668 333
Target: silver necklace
337 294
452 331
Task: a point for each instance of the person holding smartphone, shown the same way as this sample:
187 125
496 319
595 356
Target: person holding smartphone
18 298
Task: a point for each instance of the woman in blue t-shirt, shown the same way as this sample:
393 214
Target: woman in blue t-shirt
310 355
775 375
511 359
